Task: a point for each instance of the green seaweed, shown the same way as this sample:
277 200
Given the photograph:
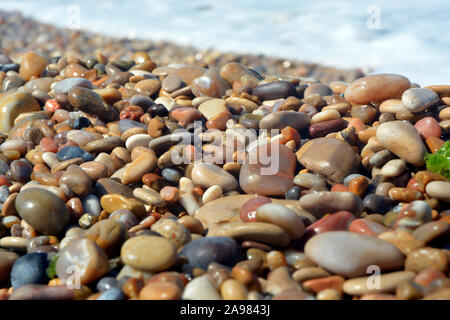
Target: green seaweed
51 272
439 161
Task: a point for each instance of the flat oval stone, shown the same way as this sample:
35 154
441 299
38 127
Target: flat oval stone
65 85
419 99
103 145
433 231
71 152
439 190
403 140
207 175
321 203
43 210
255 231
393 168
13 105
201 252
376 88
83 256
148 253
283 217
388 282
149 196
282 119
329 157
350 254
273 178
88 101
274 90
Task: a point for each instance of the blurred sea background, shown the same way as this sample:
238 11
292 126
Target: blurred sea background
411 38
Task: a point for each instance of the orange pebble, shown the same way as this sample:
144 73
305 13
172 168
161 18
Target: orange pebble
198 191
357 123
170 194
4 181
339 188
48 145
55 282
358 185
412 184
290 133
52 105
434 143
317 285
100 81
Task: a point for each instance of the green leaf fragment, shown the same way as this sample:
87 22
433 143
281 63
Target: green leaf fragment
439 161
51 272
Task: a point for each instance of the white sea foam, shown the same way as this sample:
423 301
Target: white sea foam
413 39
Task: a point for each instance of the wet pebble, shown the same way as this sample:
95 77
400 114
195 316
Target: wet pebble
201 252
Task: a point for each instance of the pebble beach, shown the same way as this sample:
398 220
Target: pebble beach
135 169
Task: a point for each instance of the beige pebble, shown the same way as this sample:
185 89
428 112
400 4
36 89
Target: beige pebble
232 289
283 217
212 193
329 294
439 190
149 196
14 243
148 253
325 116
384 283
393 168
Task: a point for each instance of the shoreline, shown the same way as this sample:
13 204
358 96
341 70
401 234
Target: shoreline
18 31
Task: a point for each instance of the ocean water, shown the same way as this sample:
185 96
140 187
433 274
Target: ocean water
407 37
